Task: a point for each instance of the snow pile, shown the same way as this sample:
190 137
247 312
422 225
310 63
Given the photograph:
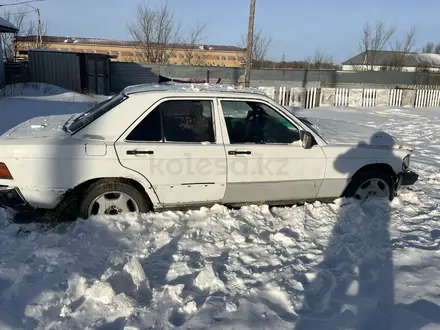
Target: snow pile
21 102
211 268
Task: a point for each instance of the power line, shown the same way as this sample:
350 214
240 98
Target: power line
20 3
27 4
21 13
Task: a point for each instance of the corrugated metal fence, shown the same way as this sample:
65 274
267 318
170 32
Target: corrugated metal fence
124 74
60 69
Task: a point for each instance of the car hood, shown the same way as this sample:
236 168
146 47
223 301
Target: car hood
39 127
337 132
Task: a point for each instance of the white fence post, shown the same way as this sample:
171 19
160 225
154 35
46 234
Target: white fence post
369 97
417 101
427 98
395 98
292 96
311 94
341 97
313 97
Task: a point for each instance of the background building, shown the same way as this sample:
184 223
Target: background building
128 51
386 60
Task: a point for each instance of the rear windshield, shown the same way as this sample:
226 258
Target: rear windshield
94 113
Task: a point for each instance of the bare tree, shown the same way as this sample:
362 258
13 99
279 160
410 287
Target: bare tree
155 32
193 52
431 48
308 61
27 28
373 40
18 19
34 40
402 50
260 45
158 36
322 60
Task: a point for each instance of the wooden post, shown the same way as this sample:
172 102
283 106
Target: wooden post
247 70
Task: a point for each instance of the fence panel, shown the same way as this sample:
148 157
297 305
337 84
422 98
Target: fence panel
436 99
341 97
395 98
311 98
369 96
427 98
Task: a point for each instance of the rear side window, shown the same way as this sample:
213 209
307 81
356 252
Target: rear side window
189 121
149 129
94 113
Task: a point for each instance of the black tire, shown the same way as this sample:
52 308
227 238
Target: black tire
103 186
364 176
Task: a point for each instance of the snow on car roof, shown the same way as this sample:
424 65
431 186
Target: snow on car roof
185 87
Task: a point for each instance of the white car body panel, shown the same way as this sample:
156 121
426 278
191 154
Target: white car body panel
343 161
272 172
46 161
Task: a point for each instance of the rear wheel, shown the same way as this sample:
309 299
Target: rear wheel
371 183
112 197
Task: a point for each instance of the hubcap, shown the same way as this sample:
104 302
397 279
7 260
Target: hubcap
112 203
373 188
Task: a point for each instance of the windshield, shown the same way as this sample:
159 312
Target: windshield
306 122
315 129
92 114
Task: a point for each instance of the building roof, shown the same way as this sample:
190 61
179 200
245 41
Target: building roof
190 88
385 57
27 51
119 43
7 27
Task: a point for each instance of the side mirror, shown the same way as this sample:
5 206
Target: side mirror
306 139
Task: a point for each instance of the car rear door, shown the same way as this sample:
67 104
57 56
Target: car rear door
163 147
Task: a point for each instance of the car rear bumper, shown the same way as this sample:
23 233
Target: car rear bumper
10 197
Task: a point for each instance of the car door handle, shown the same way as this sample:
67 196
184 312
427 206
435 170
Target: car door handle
140 152
239 152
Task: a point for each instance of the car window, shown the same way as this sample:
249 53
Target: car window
255 122
176 121
188 121
149 129
94 113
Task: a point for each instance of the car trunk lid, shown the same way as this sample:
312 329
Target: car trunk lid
39 127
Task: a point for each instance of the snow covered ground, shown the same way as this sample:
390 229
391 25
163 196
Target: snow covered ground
343 265
21 102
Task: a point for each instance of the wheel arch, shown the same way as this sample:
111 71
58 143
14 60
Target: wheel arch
80 188
371 167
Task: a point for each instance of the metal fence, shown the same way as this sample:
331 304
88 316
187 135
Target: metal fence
64 70
124 74
60 69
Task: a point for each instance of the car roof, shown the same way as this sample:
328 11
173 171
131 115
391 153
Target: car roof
191 88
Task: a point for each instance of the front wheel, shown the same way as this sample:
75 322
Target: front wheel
111 197
371 183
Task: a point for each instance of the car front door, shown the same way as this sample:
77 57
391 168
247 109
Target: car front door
266 161
176 147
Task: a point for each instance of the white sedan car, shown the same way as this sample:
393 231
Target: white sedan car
155 147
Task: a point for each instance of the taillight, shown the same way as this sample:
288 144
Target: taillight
4 172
